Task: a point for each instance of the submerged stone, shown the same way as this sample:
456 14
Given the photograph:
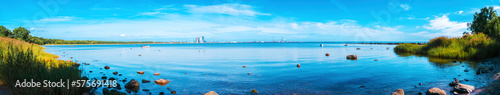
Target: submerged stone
398 92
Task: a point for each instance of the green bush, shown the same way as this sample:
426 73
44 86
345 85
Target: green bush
477 46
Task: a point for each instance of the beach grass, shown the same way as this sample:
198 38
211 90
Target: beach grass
475 46
21 60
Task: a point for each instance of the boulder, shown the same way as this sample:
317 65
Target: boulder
398 92
156 74
298 65
244 66
435 91
327 54
496 76
463 88
211 93
352 57
132 84
106 67
140 72
116 72
145 81
454 83
253 91
162 82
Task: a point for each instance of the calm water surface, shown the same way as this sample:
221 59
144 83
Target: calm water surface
272 68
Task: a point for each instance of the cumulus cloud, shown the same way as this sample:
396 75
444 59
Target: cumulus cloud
229 9
445 26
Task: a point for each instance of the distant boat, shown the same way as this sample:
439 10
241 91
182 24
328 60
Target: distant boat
145 46
321 45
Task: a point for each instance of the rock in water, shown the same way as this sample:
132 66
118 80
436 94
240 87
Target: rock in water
145 81
173 92
116 72
466 70
253 91
375 60
435 91
353 57
298 65
398 92
244 66
132 84
327 54
104 77
463 88
454 82
140 72
358 48
156 74
162 82
211 93
106 67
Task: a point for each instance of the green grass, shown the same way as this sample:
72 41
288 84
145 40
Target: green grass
21 60
477 46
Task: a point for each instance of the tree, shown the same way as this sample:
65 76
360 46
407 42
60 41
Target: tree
4 32
482 19
21 33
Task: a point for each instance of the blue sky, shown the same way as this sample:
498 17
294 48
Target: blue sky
242 20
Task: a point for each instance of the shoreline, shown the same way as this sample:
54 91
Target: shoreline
375 43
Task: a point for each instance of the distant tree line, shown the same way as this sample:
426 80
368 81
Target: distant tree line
23 34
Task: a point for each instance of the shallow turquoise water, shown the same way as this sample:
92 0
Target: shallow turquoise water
218 67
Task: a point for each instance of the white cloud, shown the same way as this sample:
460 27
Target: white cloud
405 6
123 35
229 9
496 7
56 19
445 26
460 12
150 13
